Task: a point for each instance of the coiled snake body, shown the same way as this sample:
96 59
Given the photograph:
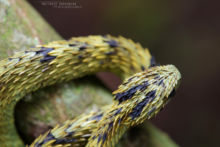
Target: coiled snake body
140 97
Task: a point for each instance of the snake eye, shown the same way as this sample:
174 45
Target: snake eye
172 94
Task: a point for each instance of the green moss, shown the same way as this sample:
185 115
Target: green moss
46 108
19 30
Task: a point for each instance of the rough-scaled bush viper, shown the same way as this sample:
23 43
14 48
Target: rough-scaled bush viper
145 90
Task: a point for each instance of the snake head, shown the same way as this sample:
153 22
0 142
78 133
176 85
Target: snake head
146 93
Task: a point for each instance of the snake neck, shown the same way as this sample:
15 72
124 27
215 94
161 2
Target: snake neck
61 61
110 128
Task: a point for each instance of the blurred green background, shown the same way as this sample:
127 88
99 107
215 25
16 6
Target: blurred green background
183 33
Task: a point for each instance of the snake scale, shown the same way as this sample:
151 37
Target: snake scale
144 92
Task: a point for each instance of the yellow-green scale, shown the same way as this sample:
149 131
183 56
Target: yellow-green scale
61 61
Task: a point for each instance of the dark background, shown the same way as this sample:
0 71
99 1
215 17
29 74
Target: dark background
184 33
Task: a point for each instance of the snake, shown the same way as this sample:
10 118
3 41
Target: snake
146 88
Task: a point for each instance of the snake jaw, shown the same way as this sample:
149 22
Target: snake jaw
166 86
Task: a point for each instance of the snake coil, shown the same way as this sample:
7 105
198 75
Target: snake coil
143 93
